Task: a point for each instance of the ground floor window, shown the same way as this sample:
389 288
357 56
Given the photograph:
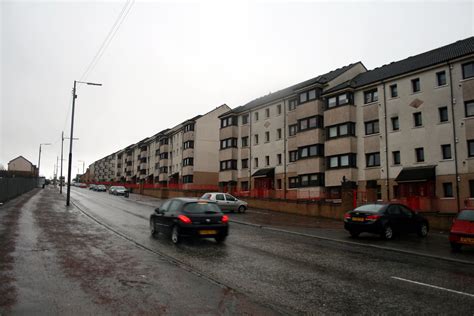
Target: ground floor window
188 179
333 192
448 189
471 188
244 186
278 184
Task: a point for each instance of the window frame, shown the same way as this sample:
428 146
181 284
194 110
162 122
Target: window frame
470 145
415 84
448 191
246 143
376 159
245 119
349 97
244 163
224 143
415 121
464 70
443 151
438 74
469 103
351 157
319 123
441 111
393 88
230 164
418 157
319 148
395 119
396 157
373 94
372 124
350 130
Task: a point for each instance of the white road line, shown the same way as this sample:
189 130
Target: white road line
434 286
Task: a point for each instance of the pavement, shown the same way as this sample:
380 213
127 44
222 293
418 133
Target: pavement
436 245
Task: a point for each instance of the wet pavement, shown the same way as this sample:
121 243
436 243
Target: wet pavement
55 260
97 257
436 245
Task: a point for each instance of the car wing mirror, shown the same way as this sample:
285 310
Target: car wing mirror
158 211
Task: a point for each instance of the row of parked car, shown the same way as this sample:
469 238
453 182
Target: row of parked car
390 219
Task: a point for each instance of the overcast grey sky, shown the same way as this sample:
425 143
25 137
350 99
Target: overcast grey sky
172 60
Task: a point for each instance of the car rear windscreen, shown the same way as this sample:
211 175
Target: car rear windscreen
375 208
201 208
466 215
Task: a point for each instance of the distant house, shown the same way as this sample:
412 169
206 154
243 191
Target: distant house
22 165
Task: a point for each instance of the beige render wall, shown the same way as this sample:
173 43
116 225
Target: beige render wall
347 75
20 164
206 141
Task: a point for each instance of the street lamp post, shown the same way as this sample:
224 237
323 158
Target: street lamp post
74 96
39 157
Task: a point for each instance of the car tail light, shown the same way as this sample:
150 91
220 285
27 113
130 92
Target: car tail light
184 219
347 216
225 219
372 217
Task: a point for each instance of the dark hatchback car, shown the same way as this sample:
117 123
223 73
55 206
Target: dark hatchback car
385 220
462 230
187 217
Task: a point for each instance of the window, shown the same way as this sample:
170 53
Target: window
341 99
443 114
228 121
292 104
415 85
244 186
311 151
278 184
255 137
245 141
228 143
188 144
188 161
188 128
267 137
441 78
311 180
308 96
342 161
468 70
310 123
256 116
469 105
395 123
278 109
420 154
446 151
229 165
245 119
255 162
267 112
164 155
471 188
293 182
245 163
372 159
188 179
279 133
448 189
371 96
341 130
220 197
267 160
279 159
396 157
292 129
293 155
371 127
470 148
393 91
417 119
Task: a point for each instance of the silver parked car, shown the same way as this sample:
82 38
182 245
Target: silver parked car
226 201
119 190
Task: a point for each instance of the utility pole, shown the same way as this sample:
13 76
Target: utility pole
39 158
62 159
74 96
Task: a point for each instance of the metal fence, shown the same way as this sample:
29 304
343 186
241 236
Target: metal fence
13 187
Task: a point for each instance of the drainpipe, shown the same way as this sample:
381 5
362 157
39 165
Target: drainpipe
250 151
284 148
455 141
387 183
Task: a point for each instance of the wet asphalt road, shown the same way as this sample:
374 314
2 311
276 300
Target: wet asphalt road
296 274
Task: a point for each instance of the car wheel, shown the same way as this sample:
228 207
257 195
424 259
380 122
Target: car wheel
175 238
220 239
242 209
423 230
354 234
455 246
387 232
153 231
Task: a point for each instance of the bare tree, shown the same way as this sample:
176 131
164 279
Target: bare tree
2 167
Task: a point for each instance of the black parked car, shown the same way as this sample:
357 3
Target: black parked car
187 217
386 220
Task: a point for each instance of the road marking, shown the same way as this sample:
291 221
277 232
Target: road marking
434 286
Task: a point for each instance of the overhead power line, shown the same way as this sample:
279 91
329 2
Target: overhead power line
108 39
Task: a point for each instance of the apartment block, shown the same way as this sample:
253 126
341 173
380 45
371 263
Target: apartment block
400 131
184 154
277 141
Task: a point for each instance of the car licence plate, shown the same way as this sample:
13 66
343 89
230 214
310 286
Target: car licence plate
207 232
358 219
467 240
